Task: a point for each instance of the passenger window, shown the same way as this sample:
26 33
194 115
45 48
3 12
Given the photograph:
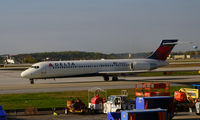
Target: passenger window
36 67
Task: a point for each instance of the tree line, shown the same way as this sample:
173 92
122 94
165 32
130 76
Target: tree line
66 55
77 55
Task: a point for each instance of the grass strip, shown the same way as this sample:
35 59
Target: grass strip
56 99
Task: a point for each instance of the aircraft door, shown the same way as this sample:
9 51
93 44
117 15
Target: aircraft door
132 66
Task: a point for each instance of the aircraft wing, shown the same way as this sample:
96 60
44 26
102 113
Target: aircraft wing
122 72
148 71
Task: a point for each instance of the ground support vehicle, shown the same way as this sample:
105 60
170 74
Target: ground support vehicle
162 102
2 114
195 86
96 104
117 103
97 101
113 115
149 114
190 93
185 99
152 89
197 106
75 106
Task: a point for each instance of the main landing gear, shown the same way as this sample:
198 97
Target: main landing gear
114 78
32 81
106 78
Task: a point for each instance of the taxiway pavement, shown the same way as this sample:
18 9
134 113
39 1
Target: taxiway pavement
11 82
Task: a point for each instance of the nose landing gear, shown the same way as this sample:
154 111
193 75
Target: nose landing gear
106 78
31 81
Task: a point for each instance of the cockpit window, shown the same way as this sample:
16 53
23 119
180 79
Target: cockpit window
36 67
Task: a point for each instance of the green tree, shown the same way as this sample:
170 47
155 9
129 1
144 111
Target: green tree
29 59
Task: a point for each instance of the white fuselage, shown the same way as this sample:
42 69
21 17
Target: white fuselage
59 69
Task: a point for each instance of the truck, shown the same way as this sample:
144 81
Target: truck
117 103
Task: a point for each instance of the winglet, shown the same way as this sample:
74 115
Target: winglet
164 49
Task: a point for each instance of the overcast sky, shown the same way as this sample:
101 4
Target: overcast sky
108 26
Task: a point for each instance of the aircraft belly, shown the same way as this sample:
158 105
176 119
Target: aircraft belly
71 72
68 72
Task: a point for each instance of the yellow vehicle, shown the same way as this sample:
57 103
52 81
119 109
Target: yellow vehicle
187 98
190 93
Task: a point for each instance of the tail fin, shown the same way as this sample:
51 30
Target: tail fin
164 50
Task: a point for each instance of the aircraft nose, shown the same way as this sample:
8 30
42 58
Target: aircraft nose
24 74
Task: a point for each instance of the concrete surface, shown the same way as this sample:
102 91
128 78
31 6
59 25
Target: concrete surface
11 82
178 116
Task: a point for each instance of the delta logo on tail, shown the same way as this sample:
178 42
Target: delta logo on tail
164 49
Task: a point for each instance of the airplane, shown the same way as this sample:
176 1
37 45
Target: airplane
106 68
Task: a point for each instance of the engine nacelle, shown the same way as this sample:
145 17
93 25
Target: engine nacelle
140 66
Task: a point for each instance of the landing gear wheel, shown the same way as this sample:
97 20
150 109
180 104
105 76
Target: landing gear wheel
32 81
115 78
106 78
